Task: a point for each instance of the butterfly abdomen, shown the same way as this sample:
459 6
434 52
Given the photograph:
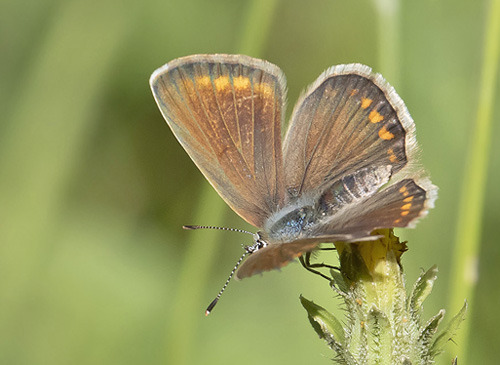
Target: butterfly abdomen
289 225
352 188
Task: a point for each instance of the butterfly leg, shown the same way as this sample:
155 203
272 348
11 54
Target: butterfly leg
328 249
305 260
308 260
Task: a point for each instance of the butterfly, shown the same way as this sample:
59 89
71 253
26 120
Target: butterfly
345 166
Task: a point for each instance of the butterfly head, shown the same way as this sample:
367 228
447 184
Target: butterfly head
258 242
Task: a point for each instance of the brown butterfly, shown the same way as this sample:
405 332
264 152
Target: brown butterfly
345 167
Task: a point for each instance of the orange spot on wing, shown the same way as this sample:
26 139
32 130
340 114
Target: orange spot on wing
375 117
405 213
222 83
406 206
366 102
385 134
204 81
392 156
397 221
241 82
265 90
354 92
409 199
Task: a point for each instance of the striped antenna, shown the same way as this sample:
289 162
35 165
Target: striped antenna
247 252
219 228
214 302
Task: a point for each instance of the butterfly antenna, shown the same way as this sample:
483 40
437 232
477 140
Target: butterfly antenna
219 228
214 302
247 252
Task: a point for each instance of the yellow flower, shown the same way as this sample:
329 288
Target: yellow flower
371 260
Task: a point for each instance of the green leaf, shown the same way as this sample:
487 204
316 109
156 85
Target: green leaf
326 325
448 333
422 288
380 339
338 281
431 327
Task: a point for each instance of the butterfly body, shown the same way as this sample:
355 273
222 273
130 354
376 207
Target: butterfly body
289 226
345 167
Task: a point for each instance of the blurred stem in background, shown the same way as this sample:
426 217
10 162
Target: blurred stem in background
194 276
388 39
38 159
256 27
468 236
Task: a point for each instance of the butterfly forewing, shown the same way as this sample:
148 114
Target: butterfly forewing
347 120
227 111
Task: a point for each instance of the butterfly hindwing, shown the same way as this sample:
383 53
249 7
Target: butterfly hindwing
273 257
398 205
227 111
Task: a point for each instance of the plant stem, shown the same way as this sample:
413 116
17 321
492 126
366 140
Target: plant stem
44 139
256 26
383 324
468 235
199 258
388 39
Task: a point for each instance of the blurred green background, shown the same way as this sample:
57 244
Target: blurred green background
94 189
